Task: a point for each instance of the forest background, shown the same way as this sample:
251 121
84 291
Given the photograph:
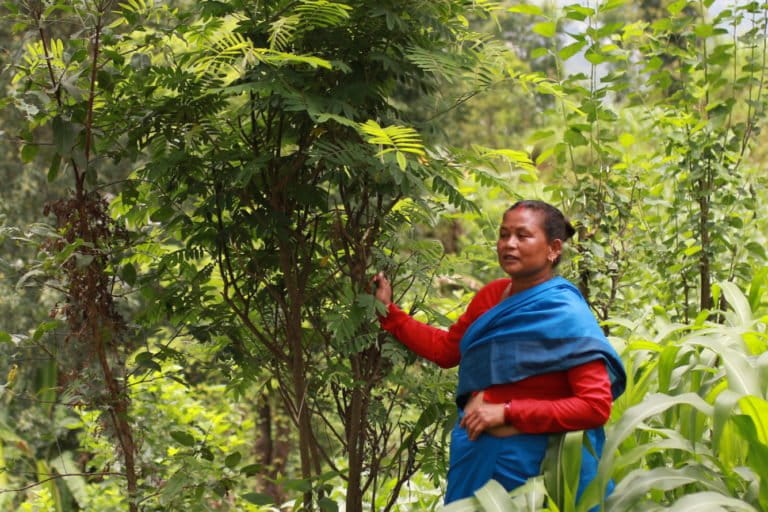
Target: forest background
198 193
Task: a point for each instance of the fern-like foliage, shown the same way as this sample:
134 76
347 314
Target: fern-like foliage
395 138
308 15
517 158
343 153
446 65
141 7
282 30
322 13
456 198
230 53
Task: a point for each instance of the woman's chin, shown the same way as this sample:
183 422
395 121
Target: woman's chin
511 268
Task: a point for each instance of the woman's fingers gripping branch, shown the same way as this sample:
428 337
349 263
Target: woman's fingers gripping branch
383 288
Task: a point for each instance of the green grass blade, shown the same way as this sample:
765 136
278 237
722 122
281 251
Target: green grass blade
724 404
494 498
466 505
739 304
710 502
653 404
638 483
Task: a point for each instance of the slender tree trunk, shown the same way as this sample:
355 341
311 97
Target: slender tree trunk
92 317
294 339
704 235
298 374
271 448
355 424
119 414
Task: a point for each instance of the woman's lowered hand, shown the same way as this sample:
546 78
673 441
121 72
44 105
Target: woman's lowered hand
480 416
383 288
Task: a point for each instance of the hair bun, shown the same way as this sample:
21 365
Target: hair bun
569 230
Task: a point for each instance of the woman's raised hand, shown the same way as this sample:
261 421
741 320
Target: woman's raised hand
383 288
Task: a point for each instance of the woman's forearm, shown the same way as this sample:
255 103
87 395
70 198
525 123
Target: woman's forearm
589 406
429 342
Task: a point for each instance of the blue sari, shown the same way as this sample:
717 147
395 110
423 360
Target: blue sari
544 329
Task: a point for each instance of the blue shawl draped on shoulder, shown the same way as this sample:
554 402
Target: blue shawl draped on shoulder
547 328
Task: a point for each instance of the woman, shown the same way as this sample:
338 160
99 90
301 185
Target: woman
532 359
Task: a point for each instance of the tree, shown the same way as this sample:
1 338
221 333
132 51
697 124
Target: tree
280 162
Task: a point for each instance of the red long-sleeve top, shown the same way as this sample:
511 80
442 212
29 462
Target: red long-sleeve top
576 399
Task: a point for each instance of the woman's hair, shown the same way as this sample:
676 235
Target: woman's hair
556 226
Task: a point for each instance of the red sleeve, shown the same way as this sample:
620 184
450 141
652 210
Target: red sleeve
589 407
438 345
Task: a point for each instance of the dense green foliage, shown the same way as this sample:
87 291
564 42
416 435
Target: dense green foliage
198 194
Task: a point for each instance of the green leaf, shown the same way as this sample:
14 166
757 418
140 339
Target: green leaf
639 482
174 485
252 469
493 497
704 30
578 12
7 434
396 138
545 28
328 505
5 337
162 214
53 170
626 139
44 328
76 484
652 405
561 468
594 57
757 409
738 303
574 137
533 10
690 251
677 6
297 485
11 6
401 162
64 134
710 502
128 274
569 51
611 4
68 250
207 453
29 152
232 460
35 272
464 505
258 498
741 373
183 438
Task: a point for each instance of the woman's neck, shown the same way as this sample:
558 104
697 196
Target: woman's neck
520 284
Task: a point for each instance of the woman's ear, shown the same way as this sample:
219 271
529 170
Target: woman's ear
555 248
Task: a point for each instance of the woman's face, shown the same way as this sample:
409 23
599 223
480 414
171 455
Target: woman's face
523 248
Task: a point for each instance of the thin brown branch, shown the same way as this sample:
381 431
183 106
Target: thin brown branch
62 475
